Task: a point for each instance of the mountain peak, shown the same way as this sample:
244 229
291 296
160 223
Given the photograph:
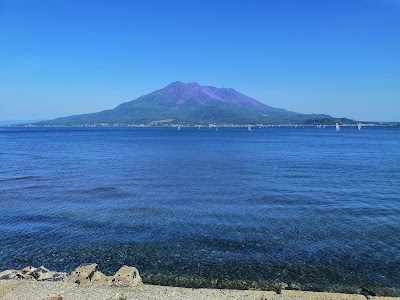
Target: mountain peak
183 84
190 102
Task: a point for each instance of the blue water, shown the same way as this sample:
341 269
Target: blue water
306 206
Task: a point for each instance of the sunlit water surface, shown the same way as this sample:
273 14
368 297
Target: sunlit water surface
308 207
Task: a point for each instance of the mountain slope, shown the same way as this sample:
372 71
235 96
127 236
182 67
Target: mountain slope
191 103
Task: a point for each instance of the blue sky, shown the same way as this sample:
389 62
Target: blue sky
63 57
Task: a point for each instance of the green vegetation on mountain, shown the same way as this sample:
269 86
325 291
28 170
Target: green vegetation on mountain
329 121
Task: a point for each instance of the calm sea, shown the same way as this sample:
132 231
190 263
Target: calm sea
297 207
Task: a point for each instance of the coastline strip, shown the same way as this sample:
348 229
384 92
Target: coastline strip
21 289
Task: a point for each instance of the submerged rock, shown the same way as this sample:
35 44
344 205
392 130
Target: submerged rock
128 276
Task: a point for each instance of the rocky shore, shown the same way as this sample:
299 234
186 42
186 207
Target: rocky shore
88 282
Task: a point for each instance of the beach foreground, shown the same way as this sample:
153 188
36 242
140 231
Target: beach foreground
88 282
35 290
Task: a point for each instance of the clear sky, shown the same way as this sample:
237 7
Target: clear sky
63 57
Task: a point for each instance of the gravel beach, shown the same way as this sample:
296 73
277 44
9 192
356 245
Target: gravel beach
34 290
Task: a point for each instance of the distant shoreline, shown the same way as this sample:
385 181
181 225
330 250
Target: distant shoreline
378 124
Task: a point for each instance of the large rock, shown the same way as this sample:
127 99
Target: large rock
10 274
97 276
28 269
53 276
32 273
84 274
36 273
127 276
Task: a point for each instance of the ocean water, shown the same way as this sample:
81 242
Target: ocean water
301 207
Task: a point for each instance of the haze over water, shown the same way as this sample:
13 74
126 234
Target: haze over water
305 206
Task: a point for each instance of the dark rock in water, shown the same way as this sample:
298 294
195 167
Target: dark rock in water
278 286
294 286
24 259
367 291
215 283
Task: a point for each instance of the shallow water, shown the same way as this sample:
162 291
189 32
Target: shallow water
306 206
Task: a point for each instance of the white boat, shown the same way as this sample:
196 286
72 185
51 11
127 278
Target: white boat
337 127
249 127
216 129
179 127
359 126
